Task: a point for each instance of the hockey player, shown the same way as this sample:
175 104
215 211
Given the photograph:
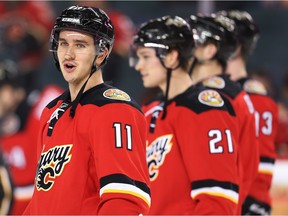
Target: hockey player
191 146
258 201
91 148
19 121
215 44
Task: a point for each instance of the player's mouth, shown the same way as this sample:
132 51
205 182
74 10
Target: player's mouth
144 75
69 67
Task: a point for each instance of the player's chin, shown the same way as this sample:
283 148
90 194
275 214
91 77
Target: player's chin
149 84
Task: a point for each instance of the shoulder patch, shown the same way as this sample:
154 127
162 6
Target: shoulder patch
254 86
211 98
214 82
116 94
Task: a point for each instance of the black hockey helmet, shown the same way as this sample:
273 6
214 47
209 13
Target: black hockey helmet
89 20
217 29
9 73
165 34
247 31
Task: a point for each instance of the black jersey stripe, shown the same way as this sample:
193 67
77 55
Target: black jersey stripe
214 183
121 178
264 159
210 187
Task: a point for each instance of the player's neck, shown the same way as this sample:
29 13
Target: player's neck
94 80
237 68
179 83
205 70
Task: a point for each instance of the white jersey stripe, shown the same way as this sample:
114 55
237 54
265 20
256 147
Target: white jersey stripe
22 193
267 168
153 109
127 189
216 191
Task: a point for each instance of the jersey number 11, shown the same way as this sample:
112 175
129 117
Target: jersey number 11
118 135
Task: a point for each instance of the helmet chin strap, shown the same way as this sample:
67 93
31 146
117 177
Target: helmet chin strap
94 68
169 74
154 117
194 63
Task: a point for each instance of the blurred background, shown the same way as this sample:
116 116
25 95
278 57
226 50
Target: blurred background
269 59
25 29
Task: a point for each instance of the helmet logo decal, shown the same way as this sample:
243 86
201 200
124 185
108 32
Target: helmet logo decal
102 43
211 98
72 20
116 94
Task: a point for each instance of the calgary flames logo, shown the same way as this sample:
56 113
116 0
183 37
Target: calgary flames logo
156 153
51 164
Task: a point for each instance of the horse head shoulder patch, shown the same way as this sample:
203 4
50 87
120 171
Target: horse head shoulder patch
214 82
254 86
116 94
211 98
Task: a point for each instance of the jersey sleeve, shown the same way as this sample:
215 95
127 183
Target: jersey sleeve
210 155
248 143
267 123
118 142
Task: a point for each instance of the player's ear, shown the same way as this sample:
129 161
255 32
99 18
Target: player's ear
101 57
210 50
171 60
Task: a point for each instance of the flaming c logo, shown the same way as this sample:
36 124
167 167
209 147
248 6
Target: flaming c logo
51 165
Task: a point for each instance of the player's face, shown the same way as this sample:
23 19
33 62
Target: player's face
76 53
149 66
200 53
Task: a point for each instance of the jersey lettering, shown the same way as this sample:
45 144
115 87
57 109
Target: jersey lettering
51 164
156 154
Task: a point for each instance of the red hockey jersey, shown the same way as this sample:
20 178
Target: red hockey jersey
266 127
192 154
95 162
248 142
18 140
